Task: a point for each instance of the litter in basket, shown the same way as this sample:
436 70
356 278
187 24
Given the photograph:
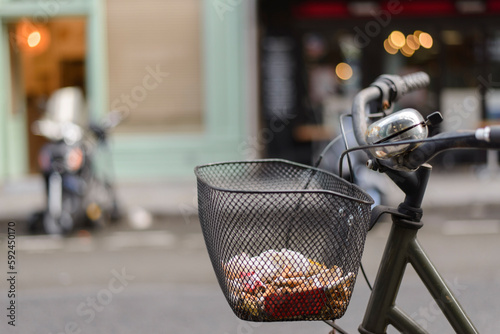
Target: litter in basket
285 239
286 284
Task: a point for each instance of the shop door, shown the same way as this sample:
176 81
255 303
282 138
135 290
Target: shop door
44 57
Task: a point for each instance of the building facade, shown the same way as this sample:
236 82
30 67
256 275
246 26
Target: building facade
178 68
326 51
212 80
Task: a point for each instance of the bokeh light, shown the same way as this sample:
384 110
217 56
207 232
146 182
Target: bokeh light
389 48
425 40
343 71
34 39
407 51
412 42
407 45
397 39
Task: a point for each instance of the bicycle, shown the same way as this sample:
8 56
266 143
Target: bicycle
304 228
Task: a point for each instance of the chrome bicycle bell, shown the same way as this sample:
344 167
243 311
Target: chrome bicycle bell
406 124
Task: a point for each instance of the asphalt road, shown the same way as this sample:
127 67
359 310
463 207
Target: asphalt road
160 280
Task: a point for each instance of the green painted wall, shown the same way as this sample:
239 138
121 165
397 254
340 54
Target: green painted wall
4 105
13 139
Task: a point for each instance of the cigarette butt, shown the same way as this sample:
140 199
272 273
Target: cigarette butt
228 272
337 303
343 281
292 281
306 286
289 273
316 267
270 290
250 304
344 293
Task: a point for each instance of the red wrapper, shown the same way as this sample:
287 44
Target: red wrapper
295 304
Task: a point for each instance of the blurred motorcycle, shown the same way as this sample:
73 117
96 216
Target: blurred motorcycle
77 195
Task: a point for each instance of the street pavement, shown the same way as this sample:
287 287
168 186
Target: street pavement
151 272
160 280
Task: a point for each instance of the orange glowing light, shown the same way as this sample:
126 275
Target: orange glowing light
412 42
343 71
389 48
425 40
407 51
34 39
397 39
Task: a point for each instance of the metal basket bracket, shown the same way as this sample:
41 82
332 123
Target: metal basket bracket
379 210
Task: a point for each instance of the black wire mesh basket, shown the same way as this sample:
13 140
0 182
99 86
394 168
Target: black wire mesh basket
285 239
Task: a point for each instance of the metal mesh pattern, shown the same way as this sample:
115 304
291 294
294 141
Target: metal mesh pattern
285 239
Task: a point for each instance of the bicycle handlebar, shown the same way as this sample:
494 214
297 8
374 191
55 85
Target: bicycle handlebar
405 84
388 88
483 138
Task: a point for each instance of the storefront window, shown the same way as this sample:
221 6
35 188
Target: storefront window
454 59
332 62
408 49
347 45
461 96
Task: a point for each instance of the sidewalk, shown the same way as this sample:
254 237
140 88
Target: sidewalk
18 199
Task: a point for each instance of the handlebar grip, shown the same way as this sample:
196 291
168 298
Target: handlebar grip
490 134
401 85
416 81
495 134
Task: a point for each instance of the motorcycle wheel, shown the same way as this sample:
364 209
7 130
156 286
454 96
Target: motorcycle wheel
35 222
66 222
62 225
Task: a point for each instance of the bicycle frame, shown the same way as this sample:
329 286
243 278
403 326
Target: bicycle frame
403 248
